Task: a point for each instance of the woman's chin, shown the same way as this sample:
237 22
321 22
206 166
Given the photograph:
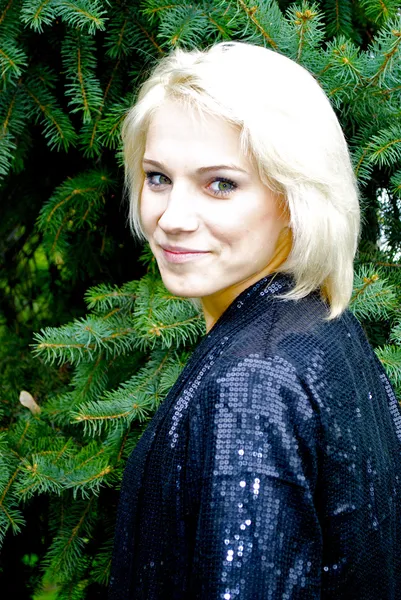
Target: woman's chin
184 290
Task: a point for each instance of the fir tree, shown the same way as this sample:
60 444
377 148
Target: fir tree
72 410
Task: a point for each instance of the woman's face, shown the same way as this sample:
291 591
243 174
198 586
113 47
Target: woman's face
210 227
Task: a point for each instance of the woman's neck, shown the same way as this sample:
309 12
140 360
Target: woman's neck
213 306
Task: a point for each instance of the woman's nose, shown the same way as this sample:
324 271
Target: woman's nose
180 212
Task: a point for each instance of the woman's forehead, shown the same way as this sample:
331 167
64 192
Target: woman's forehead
176 133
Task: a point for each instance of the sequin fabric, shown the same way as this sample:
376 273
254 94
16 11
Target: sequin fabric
272 470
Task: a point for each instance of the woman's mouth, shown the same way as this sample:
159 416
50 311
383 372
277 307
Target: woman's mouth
182 255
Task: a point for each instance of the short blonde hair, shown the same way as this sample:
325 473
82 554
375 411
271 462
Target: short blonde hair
288 130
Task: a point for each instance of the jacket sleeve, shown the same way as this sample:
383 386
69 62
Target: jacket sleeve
257 530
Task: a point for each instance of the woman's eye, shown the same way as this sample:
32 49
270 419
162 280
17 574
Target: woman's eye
151 175
223 188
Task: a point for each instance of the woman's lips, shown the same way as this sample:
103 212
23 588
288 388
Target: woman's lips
180 257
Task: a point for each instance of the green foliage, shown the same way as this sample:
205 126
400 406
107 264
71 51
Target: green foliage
307 33
110 340
10 516
75 205
380 10
78 52
339 19
88 15
44 109
373 297
390 356
77 443
37 13
12 60
159 316
396 184
376 298
83 14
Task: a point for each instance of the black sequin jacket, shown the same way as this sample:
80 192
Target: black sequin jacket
272 470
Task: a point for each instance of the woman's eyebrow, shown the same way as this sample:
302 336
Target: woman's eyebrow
201 170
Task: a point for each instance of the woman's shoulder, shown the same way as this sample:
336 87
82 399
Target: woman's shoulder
297 348
296 331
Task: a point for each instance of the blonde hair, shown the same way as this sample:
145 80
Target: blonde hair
289 131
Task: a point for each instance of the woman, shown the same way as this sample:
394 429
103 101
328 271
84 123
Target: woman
272 469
